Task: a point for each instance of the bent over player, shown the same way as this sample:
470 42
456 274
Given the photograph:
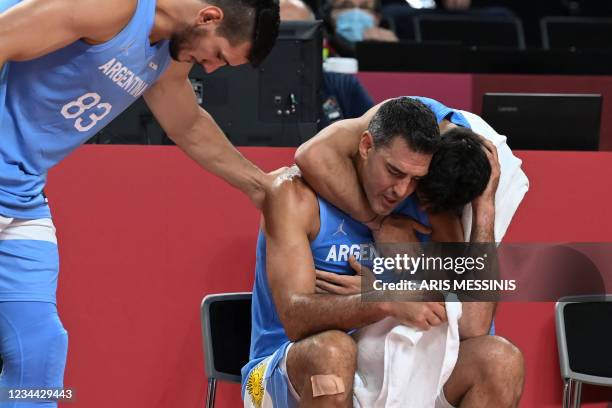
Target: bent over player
67 68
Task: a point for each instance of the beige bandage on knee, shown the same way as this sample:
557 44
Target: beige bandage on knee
327 384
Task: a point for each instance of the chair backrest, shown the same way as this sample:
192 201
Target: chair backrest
584 338
226 334
403 26
576 32
480 31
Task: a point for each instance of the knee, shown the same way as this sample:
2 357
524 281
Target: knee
321 358
335 349
506 359
503 368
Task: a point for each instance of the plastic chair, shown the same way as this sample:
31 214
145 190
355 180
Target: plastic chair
584 340
585 33
226 334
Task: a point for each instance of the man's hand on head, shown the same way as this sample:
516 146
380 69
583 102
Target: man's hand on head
487 199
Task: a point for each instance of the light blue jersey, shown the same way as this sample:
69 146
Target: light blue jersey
339 237
52 104
443 112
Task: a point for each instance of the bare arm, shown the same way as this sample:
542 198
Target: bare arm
327 158
476 317
289 212
37 27
445 227
479 315
174 104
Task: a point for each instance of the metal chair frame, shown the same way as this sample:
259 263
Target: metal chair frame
211 372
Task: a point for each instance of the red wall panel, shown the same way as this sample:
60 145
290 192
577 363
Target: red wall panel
453 89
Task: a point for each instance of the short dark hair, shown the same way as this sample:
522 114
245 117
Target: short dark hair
409 119
458 173
250 20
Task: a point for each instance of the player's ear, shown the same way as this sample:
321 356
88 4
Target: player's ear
366 143
210 14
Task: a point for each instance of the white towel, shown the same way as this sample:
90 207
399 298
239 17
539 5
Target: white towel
513 183
399 366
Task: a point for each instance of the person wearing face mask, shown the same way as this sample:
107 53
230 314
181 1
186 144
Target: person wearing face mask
342 96
352 21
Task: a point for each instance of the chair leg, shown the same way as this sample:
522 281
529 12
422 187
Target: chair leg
212 389
567 393
577 394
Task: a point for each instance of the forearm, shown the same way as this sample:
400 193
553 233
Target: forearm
483 223
307 314
347 195
480 314
209 147
326 159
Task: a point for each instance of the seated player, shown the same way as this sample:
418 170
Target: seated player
300 352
